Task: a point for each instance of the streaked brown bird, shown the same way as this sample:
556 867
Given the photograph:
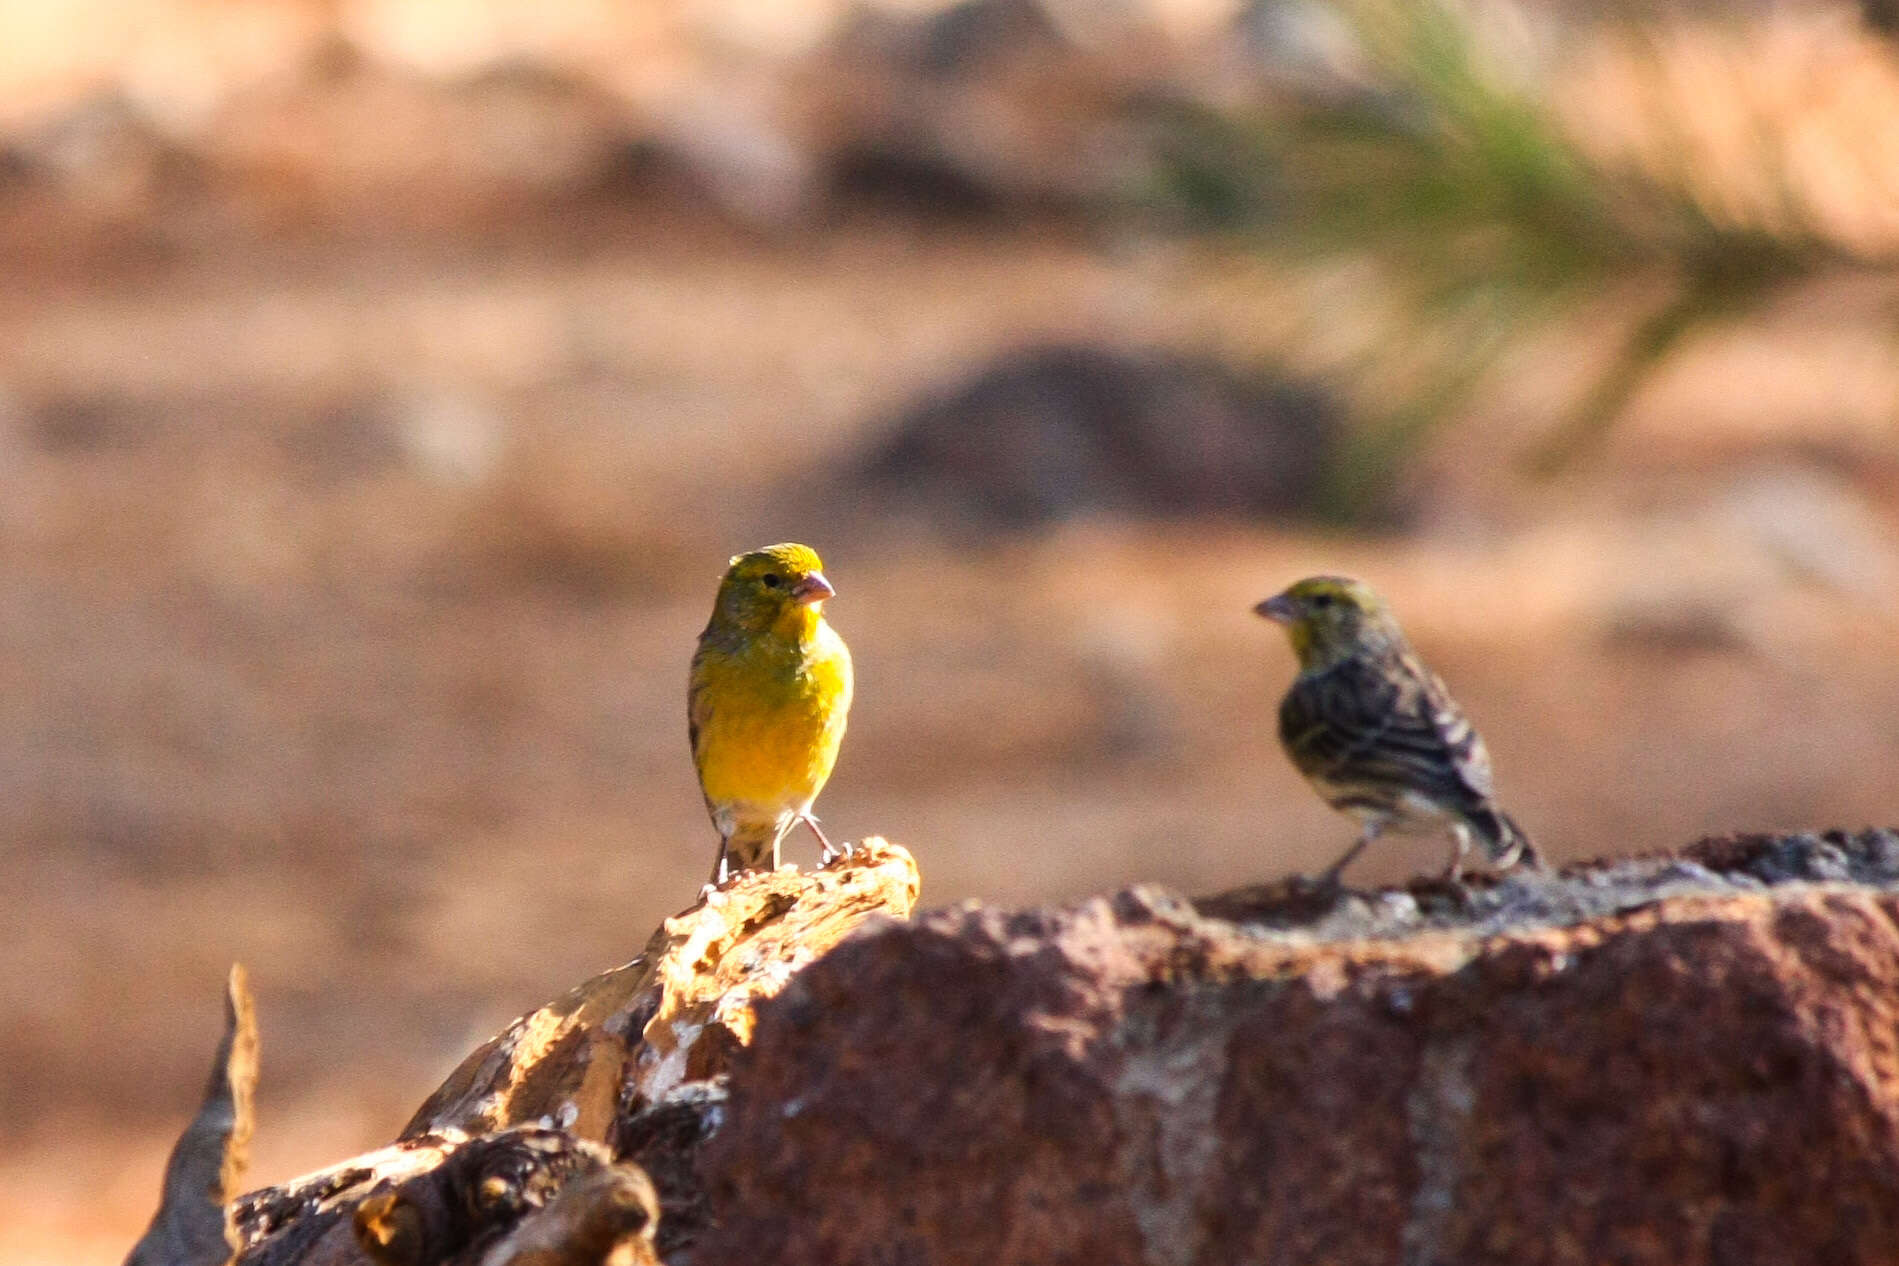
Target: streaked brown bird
1377 734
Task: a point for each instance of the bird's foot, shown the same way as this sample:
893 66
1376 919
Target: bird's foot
1331 880
1309 896
1438 893
1526 858
827 851
1317 892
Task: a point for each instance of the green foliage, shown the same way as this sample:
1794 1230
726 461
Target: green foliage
1485 221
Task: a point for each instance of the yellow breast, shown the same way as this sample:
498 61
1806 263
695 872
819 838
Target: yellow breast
770 718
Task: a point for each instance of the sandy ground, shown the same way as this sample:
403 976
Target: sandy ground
350 585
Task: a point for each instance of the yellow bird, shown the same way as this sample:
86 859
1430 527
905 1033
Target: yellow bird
769 696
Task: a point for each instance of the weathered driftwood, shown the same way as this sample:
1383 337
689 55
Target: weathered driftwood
192 1225
532 1152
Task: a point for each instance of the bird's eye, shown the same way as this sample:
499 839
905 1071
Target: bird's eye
773 580
1322 600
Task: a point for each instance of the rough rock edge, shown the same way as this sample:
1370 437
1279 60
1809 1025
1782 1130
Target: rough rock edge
636 1033
193 1226
611 1209
568 1087
1297 912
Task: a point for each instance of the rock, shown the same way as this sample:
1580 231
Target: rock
192 1227
1662 1060
614 1210
103 151
416 1203
1051 433
1815 526
625 1068
673 1015
1671 1059
663 1138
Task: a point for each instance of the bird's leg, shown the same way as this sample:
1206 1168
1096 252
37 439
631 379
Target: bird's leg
786 825
718 870
1525 854
827 851
1454 873
1329 877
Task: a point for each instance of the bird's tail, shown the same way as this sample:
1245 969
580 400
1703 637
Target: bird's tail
1505 843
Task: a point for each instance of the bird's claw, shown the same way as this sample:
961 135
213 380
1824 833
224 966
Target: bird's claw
1527 859
1327 881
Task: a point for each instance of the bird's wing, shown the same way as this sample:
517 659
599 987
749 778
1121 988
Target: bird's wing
1383 724
1468 753
698 699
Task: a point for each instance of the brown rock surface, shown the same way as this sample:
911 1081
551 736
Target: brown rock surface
1688 1059
1666 1061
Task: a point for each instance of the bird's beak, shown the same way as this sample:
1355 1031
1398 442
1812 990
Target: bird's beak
811 589
1278 608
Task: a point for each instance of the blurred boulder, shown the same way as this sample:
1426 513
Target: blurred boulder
990 103
1816 526
1062 431
76 424
416 113
102 152
1715 572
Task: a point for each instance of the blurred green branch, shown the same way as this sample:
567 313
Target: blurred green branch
1487 221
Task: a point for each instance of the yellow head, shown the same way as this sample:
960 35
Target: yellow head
1332 618
780 588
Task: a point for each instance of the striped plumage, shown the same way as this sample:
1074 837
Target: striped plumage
1377 734
767 703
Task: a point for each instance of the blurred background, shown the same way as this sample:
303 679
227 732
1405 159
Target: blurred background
384 384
